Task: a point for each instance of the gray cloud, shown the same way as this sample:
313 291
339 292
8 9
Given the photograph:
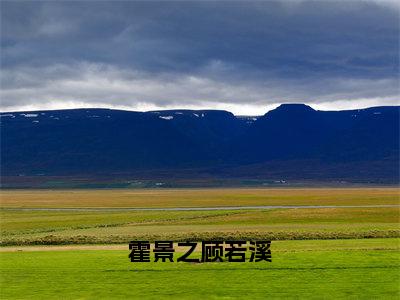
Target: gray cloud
243 56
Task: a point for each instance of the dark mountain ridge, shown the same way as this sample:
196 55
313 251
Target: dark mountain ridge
285 142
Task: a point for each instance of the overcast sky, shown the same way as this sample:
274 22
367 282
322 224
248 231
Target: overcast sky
246 57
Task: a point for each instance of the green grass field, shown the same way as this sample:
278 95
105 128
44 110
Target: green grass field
332 253
331 269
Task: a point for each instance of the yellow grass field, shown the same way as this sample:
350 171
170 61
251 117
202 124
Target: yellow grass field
99 223
199 197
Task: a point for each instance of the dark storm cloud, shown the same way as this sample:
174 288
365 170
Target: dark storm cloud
198 53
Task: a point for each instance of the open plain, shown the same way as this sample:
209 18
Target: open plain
331 242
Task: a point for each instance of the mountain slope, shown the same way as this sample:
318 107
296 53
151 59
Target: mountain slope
293 140
296 131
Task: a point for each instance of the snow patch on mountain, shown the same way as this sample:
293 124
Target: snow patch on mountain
166 117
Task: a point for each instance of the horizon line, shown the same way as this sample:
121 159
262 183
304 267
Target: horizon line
189 109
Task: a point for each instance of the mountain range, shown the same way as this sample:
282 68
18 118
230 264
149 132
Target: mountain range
293 141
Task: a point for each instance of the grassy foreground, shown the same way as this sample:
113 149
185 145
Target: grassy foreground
334 269
331 253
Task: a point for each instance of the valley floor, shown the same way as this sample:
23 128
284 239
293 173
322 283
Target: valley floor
74 243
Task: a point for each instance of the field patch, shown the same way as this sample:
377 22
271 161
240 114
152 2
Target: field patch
199 197
304 269
98 227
